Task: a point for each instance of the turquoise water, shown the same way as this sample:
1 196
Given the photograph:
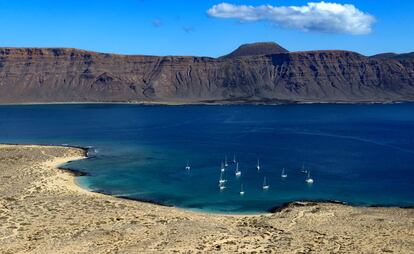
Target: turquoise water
359 154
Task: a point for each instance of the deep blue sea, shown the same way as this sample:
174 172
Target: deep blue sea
358 154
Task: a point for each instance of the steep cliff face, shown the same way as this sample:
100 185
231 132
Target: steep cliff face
70 75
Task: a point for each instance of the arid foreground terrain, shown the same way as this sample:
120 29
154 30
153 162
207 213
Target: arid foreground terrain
43 211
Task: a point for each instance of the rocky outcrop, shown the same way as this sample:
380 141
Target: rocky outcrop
257 49
71 75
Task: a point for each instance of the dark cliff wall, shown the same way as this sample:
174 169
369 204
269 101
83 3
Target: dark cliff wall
63 75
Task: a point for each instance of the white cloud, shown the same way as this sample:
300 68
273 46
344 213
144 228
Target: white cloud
320 17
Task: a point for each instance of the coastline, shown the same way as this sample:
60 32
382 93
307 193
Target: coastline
43 210
275 209
213 103
76 173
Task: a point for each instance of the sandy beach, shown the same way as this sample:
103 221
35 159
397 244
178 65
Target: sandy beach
42 210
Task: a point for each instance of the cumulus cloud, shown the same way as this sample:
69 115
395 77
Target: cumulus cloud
316 17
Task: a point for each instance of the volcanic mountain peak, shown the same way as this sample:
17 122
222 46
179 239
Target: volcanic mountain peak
259 48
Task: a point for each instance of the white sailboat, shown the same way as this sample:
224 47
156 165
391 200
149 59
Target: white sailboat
234 158
265 185
241 190
222 180
226 164
238 172
188 166
309 179
258 165
283 175
303 170
222 167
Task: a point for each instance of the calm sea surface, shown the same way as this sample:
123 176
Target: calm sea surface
359 154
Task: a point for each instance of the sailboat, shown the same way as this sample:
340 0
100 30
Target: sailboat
226 164
258 165
309 179
283 175
222 180
303 170
234 158
222 167
188 166
265 185
238 172
241 190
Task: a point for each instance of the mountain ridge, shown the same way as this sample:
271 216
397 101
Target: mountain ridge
36 75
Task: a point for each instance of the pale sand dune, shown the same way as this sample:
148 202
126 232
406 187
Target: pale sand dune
43 211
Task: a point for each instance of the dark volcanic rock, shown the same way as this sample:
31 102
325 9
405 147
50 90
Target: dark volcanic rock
384 56
257 49
70 75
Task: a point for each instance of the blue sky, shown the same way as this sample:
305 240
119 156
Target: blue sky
156 27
